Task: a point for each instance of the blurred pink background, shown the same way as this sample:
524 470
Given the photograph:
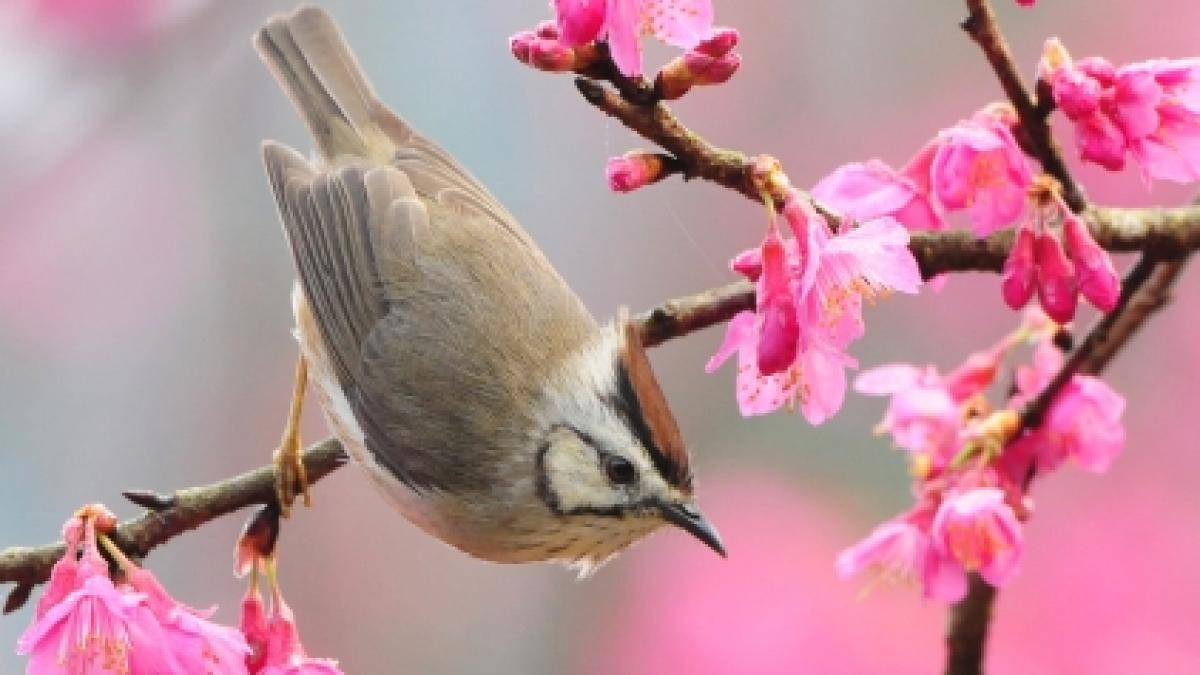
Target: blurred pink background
144 338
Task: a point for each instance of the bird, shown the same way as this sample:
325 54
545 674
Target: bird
451 360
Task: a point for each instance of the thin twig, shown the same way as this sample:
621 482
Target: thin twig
190 508
1168 232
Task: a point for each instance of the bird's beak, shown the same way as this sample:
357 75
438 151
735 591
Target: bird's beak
689 518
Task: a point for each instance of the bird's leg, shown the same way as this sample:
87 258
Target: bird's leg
290 475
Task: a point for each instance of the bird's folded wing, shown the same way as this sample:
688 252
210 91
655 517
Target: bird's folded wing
443 329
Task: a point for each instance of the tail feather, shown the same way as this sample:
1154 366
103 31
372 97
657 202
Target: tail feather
309 57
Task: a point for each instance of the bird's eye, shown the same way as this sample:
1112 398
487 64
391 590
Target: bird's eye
620 471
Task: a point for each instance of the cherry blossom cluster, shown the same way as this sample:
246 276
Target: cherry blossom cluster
810 291
89 621
569 43
1149 111
971 466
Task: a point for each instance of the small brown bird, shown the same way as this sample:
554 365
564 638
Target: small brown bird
452 361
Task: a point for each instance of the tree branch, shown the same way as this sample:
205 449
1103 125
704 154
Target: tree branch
1165 232
185 510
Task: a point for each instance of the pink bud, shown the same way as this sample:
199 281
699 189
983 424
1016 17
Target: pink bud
547 30
720 43
1056 287
1101 141
779 338
975 374
1098 68
1076 93
1020 270
748 263
579 21
1098 280
551 55
520 44
706 70
633 170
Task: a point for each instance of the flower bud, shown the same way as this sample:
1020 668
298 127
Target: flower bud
1076 93
520 44
1099 68
1101 141
1020 270
779 337
1098 280
748 263
721 42
551 55
1056 286
547 30
710 62
707 70
633 170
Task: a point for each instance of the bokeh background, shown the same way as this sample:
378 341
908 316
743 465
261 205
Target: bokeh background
144 338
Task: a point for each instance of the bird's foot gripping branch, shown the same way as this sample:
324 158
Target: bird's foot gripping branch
864 231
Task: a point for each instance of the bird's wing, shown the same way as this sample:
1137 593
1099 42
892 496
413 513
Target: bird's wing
442 327
312 62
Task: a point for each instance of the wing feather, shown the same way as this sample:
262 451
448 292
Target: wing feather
441 330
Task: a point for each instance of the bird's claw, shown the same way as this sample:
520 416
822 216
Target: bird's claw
291 476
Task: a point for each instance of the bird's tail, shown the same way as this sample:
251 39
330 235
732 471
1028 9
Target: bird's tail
312 62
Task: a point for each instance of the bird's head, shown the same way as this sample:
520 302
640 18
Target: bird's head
612 466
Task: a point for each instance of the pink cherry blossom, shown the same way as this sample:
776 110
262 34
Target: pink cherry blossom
679 23
977 372
285 654
1148 110
792 349
978 166
64 576
1038 262
894 550
979 530
1097 278
579 21
253 626
274 640
1083 424
1056 285
1158 108
1031 379
197 644
868 262
1018 279
869 190
779 334
922 417
96 627
902 550
815 381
